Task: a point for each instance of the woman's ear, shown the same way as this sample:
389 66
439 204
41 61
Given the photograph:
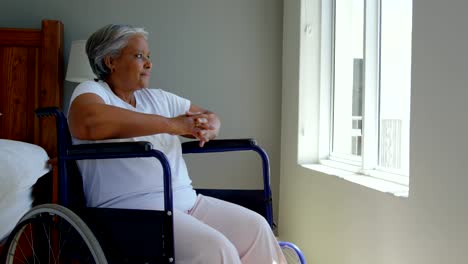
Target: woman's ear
109 61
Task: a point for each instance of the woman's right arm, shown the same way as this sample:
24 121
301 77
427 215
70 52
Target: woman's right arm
90 118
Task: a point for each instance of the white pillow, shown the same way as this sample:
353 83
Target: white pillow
21 164
12 208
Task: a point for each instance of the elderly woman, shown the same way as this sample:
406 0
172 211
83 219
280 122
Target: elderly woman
118 106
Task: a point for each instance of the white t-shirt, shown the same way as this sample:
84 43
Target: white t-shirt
137 183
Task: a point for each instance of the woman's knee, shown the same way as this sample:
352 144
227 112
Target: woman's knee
217 249
196 242
258 222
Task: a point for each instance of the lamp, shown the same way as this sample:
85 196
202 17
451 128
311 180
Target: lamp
78 69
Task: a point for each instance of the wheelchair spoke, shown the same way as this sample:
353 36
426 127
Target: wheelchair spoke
22 253
47 234
30 242
21 260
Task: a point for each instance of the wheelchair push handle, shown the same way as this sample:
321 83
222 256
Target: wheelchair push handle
48 111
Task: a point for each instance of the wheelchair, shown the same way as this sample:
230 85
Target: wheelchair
70 232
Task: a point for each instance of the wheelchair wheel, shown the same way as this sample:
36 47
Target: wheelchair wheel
292 253
51 233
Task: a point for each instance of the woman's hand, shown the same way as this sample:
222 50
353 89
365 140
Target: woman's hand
197 123
208 124
192 125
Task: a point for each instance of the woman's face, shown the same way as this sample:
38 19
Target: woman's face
131 70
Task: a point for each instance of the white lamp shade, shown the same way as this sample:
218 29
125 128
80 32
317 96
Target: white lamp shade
79 69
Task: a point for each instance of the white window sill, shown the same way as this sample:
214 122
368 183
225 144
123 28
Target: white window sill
382 185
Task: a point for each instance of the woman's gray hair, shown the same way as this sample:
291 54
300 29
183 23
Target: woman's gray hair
109 41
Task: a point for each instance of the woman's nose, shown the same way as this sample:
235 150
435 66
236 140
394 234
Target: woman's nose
148 64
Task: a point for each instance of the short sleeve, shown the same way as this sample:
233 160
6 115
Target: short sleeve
90 87
177 105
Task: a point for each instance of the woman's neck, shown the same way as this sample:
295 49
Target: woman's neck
127 96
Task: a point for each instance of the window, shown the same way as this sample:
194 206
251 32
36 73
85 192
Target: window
366 74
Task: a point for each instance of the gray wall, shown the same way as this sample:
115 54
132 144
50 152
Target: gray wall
224 55
336 221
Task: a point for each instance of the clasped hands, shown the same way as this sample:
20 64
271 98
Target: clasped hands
203 130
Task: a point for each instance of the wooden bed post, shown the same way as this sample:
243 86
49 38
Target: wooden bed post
51 82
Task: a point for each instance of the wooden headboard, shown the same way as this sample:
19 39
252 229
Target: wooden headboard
31 76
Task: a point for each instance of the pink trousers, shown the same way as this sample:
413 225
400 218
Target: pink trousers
217 232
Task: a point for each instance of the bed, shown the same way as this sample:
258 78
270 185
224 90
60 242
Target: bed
31 76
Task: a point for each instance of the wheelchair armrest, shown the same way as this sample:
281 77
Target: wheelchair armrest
219 145
120 148
226 145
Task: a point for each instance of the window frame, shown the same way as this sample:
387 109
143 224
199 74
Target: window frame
367 165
